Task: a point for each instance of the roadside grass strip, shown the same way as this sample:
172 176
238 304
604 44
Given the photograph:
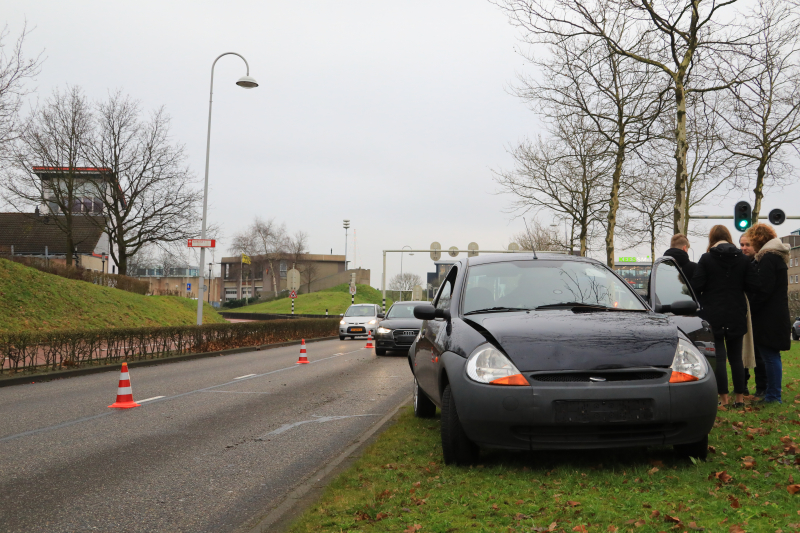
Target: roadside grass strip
750 482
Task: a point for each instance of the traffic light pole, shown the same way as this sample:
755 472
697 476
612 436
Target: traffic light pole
723 217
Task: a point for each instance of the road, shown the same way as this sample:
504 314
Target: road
226 441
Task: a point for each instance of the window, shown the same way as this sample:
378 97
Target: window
98 205
446 290
283 269
227 270
670 285
401 311
361 310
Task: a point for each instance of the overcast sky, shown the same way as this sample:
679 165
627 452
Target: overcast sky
390 114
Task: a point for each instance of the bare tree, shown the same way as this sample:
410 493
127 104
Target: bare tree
620 98
267 239
538 237
677 34
151 198
565 174
15 70
296 248
648 208
404 282
309 273
53 137
764 110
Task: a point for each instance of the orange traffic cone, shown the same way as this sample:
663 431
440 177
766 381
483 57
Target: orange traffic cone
369 340
303 359
124 393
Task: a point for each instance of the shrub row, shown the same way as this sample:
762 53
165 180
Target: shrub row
33 351
116 281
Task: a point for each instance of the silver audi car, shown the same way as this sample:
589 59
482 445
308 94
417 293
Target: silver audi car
359 320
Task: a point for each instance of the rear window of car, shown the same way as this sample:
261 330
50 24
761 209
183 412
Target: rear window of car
360 310
401 311
535 283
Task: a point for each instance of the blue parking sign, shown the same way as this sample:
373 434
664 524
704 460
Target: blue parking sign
188 286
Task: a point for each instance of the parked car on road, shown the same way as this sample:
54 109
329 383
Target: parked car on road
399 329
558 352
796 329
359 320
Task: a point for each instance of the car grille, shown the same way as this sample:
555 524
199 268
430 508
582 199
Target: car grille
585 377
596 433
404 337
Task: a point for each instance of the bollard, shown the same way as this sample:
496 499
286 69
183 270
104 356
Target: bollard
292 305
326 313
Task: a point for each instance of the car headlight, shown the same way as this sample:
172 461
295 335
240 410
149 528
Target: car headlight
487 364
373 322
384 330
342 322
689 364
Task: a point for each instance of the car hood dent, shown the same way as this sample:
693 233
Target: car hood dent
563 340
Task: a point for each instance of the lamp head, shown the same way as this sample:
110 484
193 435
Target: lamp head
247 82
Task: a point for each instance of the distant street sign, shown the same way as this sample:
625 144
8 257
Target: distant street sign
205 288
473 249
436 254
293 294
202 243
352 290
513 246
453 251
188 286
416 293
293 279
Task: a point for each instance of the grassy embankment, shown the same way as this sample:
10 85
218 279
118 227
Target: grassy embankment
31 300
749 482
336 300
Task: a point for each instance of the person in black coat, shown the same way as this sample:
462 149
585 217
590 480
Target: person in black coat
770 305
678 248
720 280
760 373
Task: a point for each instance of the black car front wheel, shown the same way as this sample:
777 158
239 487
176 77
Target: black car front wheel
380 351
341 337
456 447
423 406
698 450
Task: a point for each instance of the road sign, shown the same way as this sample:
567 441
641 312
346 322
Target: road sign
202 243
473 249
205 288
293 279
293 295
416 293
453 251
436 254
188 286
352 290
513 246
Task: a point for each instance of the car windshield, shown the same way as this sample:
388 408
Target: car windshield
401 311
360 310
524 285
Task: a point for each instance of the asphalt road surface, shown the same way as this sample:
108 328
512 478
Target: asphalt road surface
224 442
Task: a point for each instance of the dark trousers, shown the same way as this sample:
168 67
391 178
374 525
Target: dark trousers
760 372
729 348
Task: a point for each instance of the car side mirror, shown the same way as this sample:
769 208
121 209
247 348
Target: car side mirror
341 314
425 312
679 308
381 315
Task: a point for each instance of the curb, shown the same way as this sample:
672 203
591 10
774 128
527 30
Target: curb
281 517
63 374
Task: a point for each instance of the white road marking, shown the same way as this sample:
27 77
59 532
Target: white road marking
148 399
320 419
245 376
236 392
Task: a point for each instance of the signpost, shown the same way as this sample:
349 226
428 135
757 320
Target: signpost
352 289
416 293
453 251
202 243
473 249
436 252
188 287
293 295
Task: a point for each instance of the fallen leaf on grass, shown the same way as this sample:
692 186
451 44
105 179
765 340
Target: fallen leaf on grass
655 514
580 529
553 526
748 463
520 516
383 495
519 502
736 528
693 526
723 476
612 529
494 507
652 471
381 516
361 515
656 462
712 449
734 502
672 519
793 489
413 529
573 504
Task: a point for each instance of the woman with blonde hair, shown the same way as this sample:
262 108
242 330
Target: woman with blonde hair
770 305
722 275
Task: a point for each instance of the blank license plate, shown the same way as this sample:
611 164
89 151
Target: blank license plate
594 411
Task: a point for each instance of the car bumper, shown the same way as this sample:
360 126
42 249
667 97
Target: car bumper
387 341
612 414
347 330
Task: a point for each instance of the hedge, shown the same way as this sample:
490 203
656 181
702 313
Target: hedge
33 351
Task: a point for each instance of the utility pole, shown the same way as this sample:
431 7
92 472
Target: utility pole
346 226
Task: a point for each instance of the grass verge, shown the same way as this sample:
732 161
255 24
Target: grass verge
336 300
36 301
749 483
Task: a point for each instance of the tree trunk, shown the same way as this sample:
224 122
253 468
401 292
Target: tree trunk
613 201
584 233
122 251
681 149
70 244
761 172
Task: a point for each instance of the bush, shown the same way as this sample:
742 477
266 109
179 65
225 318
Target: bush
115 281
233 304
29 351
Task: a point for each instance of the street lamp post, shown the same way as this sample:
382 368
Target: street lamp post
346 226
103 260
248 83
210 265
401 268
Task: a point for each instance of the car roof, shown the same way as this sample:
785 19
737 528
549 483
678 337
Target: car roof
412 302
527 256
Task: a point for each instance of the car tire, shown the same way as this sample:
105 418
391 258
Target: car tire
423 406
795 336
341 337
380 351
456 447
698 450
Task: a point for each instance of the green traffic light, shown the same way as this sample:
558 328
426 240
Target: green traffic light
742 223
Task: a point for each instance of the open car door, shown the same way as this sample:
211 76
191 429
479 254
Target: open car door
668 285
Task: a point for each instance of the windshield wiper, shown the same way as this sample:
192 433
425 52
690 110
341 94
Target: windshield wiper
584 306
496 310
